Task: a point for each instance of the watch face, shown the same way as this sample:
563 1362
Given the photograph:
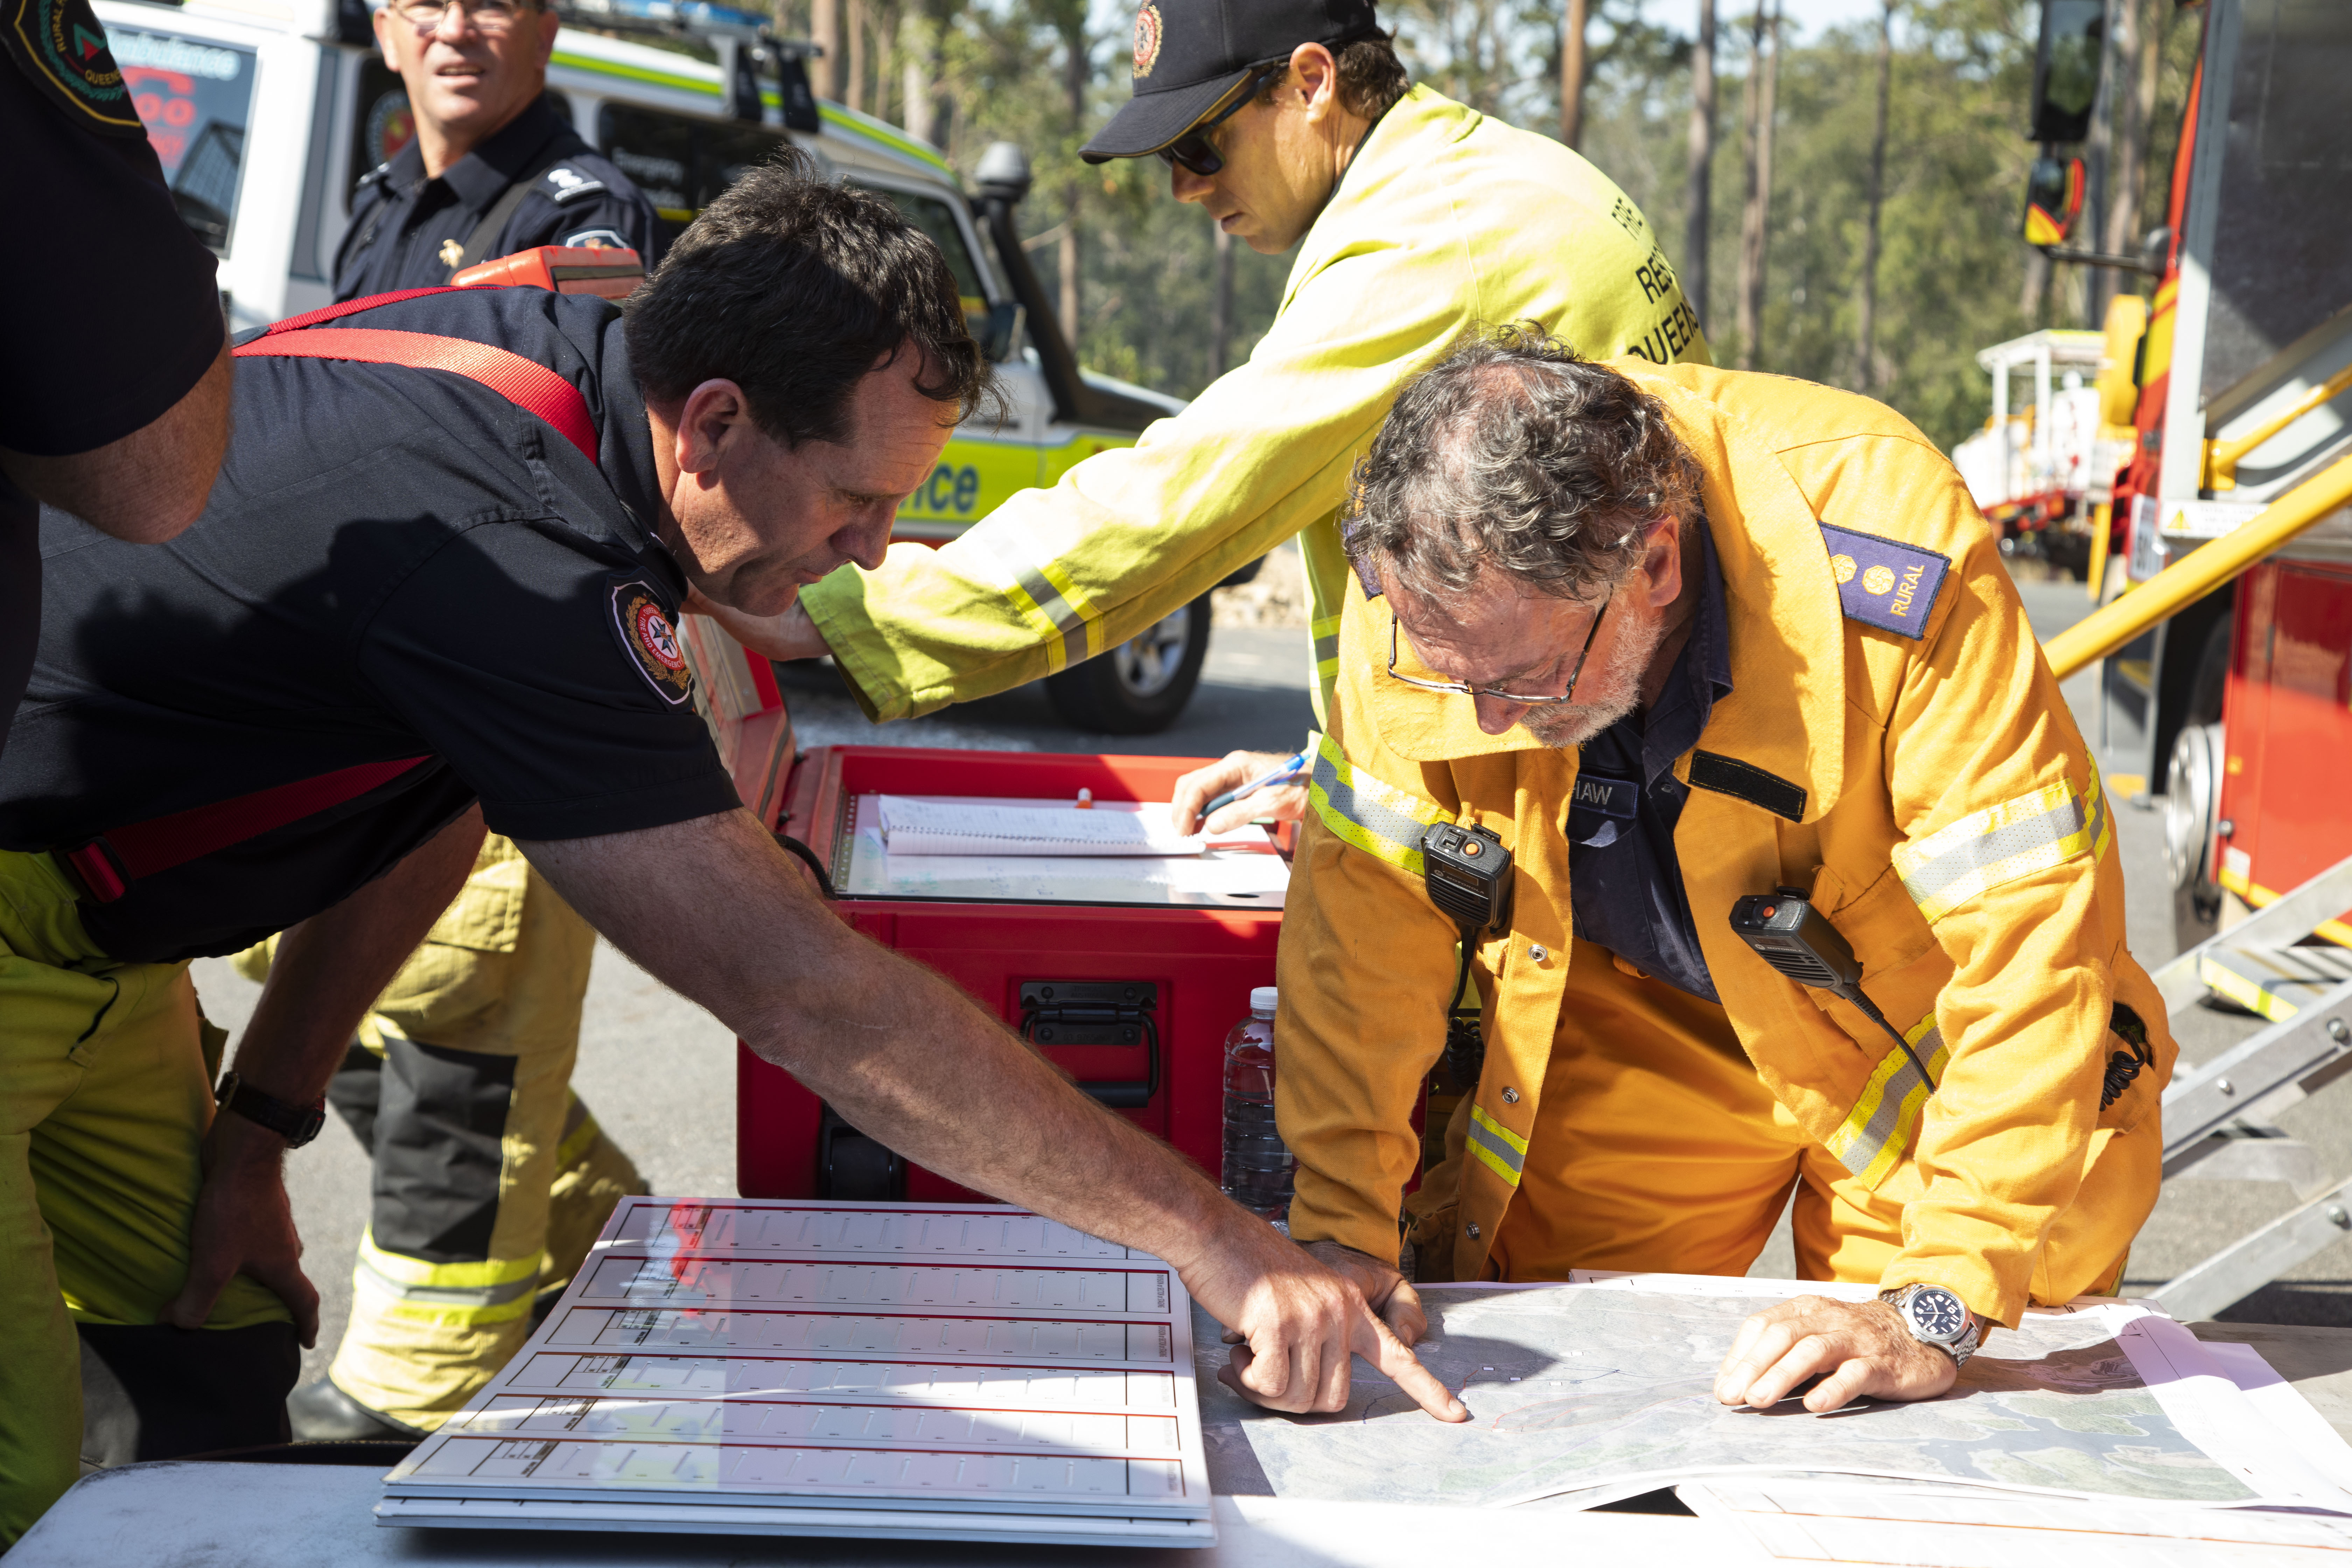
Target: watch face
1939 1314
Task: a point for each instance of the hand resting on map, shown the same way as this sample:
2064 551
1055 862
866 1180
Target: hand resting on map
1862 1346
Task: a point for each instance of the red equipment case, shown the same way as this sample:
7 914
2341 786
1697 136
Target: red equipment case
1133 1000
1150 982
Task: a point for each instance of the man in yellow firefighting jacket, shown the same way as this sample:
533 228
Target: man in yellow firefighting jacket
1677 635
1292 123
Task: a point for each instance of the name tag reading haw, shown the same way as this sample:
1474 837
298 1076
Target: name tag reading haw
1883 583
1599 808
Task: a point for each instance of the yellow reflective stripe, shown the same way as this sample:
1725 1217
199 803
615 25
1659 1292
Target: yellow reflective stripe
2002 843
1360 809
400 1269
402 1274
1049 600
1326 632
1498 1148
1876 1132
579 1133
454 1309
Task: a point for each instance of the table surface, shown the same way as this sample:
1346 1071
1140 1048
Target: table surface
192 1514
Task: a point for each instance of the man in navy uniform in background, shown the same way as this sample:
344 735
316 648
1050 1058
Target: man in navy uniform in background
495 167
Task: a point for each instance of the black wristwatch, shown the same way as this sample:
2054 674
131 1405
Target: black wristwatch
1936 1316
298 1124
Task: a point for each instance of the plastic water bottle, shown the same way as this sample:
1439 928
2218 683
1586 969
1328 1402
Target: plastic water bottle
1257 1166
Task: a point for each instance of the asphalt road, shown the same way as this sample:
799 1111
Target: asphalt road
659 1072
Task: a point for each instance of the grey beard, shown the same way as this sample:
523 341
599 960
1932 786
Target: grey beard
1573 724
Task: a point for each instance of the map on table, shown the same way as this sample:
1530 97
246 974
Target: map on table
1583 1394
913 1371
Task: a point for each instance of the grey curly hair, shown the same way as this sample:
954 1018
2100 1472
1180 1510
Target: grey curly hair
1515 452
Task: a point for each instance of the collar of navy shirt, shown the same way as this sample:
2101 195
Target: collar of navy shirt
481 175
1700 678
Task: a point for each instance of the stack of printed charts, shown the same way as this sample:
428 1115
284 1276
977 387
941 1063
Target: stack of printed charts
913 1371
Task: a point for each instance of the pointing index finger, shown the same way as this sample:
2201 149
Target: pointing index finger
1376 1345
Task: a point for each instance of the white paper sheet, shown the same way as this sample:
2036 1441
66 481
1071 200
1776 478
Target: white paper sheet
1837 1520
913 826
911 1358
1248 876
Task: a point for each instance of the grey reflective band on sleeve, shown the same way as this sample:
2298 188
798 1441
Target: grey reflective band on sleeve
1986 848
1876 1132
1381 821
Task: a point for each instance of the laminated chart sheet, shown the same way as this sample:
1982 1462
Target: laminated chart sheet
916 1371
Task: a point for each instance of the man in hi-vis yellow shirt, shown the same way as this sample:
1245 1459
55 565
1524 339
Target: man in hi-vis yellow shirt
1293 124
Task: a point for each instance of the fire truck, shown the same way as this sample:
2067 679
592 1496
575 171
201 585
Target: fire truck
2225 659
2235 710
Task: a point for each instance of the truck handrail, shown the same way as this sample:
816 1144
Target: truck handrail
2221 457
2185 582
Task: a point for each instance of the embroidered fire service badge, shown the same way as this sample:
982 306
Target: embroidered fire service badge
1146 39
651 641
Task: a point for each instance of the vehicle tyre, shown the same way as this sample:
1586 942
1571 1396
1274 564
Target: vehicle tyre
1139 687
2192 791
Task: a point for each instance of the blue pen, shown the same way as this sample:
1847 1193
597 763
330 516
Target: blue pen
1289 768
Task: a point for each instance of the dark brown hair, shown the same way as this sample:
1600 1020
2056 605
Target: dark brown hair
793 287
1371 77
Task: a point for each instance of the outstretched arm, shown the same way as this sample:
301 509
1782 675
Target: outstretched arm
713 909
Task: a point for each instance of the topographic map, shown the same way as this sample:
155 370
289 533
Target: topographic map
1577 1392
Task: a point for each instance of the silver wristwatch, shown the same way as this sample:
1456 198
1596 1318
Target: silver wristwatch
1936 1316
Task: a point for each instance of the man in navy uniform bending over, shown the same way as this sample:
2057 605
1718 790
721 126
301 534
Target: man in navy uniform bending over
416 607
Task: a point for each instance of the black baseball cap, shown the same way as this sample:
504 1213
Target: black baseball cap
1191 54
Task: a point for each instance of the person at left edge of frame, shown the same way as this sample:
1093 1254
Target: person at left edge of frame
115 404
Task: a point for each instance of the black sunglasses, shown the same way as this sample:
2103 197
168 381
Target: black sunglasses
1193 149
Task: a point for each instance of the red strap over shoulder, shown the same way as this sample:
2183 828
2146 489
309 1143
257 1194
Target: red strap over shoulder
528 385
349 306
107 866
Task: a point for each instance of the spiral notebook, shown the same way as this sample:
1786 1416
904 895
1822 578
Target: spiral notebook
913 827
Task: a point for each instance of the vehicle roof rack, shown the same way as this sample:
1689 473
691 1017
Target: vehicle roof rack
746 42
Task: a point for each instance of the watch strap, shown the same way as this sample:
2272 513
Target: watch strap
298 1124
1959 1350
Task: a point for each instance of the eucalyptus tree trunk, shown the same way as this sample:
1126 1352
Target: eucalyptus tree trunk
1755 217
1865 338
1697 231
1076 69
829 32
1220 305
1571 71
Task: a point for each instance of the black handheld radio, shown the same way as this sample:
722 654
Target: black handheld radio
1798 939
1467 873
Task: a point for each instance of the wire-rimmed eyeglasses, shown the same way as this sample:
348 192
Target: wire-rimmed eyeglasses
1463 689
1193 149
488 15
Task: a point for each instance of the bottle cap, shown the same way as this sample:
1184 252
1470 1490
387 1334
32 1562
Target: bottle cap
1262 998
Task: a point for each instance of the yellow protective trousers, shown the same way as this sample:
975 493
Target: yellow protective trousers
490 1178
106 1074
1660 1149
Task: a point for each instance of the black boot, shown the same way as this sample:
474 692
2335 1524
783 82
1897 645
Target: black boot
322 1413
